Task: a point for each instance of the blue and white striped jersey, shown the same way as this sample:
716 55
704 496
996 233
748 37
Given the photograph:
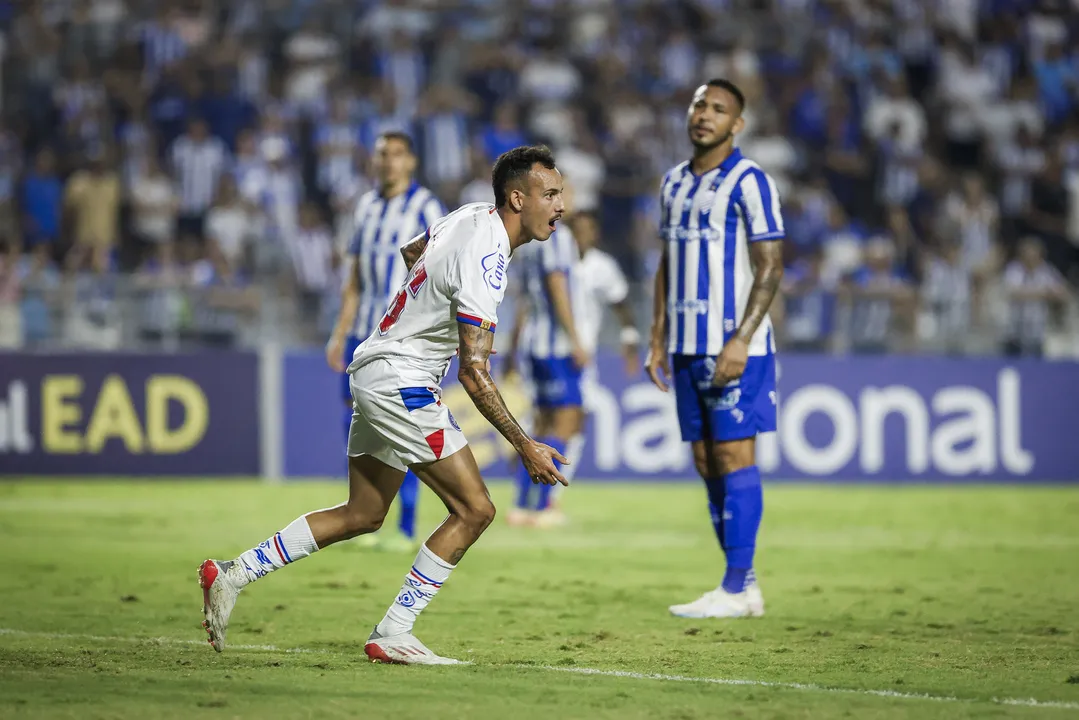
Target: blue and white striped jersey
382 227
543 336
707 223
197 166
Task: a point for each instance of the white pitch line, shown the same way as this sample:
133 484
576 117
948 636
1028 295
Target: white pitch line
625 674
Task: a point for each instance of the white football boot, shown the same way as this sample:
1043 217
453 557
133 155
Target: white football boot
219 595
403 649
719 603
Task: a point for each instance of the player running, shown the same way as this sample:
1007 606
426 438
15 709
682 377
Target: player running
448 302
721 265
385 219
570 284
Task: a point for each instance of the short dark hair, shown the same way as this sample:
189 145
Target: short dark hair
401 136
730 87
514 164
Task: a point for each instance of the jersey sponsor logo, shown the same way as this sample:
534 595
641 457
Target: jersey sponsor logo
675 233
494 269
453 421
691 307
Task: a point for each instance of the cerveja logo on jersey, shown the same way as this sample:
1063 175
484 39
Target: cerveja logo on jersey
494 269
680 233
691 307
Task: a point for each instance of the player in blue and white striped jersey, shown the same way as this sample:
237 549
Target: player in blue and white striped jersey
556 356
722 263
385 219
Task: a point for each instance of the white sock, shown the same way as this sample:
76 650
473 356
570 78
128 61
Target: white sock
422 582
293 543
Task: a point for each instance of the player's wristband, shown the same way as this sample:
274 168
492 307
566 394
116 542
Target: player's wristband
630 335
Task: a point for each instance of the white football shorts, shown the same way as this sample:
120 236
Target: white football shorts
397 421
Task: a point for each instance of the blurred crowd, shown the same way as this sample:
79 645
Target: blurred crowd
171 169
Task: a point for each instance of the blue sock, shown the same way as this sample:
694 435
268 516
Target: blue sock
715 507
743 505
545 490
524 486
409 493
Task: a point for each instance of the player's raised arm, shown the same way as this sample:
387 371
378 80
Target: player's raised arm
658 364
475 376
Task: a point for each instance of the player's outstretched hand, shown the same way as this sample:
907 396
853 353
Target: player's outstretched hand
539 460
731 362
658 366
335 351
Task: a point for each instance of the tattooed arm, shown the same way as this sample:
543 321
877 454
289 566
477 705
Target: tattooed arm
475 376
767 259
412 251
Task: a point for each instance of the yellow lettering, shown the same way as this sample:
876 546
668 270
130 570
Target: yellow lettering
114 416
60 409
159 390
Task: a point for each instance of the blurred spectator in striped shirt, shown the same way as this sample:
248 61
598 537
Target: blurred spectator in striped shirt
1034 288
198 160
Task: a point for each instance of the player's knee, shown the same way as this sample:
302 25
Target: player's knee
732 456
362 520
478 516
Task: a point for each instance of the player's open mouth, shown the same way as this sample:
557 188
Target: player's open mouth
550 225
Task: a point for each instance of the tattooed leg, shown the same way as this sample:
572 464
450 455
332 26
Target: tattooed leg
457 482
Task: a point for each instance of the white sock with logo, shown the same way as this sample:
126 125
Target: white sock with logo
283 548
422 582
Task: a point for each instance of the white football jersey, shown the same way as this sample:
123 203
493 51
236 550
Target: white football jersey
460 278
598 282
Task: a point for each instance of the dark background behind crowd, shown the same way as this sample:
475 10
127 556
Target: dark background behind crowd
182 172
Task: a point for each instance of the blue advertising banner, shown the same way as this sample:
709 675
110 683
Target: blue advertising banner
129 414
888 419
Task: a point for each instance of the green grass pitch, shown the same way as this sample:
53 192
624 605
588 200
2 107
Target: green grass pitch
882 602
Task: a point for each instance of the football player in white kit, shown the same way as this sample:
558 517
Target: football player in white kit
447 304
